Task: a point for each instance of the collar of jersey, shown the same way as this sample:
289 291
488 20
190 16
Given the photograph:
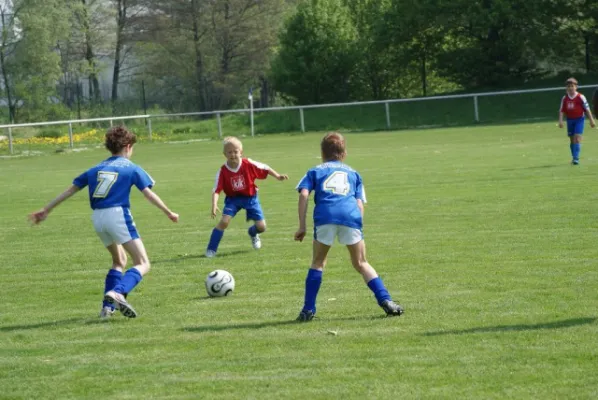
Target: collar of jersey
234 170
574 96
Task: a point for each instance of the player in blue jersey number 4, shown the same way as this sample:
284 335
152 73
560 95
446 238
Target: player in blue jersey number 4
110 185
339 197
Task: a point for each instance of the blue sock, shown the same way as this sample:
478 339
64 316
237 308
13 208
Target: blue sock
131 279
252 231
572 150
215 239
377 286
312 286
576 150
112 279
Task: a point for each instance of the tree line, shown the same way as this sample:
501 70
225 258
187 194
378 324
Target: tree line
102 57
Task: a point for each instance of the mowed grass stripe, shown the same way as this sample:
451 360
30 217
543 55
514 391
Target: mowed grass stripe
484 234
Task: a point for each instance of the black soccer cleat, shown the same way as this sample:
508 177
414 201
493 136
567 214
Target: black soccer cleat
391 308
306 316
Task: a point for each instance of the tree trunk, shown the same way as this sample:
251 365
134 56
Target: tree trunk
7 87
587 49
122 15
94 84
264 92
424 73
202 100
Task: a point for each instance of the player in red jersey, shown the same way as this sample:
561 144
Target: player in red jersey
574 106
237 179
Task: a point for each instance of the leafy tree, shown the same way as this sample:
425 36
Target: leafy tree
30 65
376 70
316 58
493 42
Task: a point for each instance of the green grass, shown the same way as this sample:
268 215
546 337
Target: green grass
485 235
501 109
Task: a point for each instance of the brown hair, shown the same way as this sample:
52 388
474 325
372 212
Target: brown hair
118 138
571 80
333 147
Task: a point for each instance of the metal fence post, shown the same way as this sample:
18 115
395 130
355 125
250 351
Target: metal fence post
387 115
71 135
302 120
476 113
219 125
10 149
149 127
110 123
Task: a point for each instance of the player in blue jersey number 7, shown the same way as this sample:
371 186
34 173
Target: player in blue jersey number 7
110 185
339 197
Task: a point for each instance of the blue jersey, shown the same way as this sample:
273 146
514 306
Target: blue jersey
337 188
111 180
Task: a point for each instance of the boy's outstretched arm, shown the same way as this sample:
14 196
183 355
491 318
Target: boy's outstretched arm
42 214
591 118
302 210
215 208
276 175
157 201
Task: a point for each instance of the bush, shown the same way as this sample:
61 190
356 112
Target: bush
50 133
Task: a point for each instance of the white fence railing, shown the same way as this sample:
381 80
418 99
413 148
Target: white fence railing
219 113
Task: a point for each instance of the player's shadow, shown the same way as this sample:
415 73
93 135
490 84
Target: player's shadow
42 325
269 324
534 167
200 256
567 323
252 325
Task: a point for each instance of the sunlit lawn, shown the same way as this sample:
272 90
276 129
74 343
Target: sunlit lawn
486 235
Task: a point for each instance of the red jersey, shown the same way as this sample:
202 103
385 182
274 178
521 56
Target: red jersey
574 107
240 181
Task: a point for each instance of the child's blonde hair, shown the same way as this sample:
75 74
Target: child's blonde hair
232 140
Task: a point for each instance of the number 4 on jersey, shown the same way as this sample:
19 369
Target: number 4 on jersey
337 183
105 182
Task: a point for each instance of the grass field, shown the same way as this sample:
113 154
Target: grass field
486 235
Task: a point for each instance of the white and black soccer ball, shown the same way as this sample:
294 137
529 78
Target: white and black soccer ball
220 283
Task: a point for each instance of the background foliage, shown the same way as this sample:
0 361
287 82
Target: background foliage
77 58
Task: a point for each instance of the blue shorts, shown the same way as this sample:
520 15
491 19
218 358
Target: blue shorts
252 206
575 126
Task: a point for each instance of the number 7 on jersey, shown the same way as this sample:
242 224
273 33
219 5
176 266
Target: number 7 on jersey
105 182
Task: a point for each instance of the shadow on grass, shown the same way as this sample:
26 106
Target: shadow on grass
536 167
42 325
567 323
200 256
269 324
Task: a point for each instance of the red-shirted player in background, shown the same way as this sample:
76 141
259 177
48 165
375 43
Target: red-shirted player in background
574 106
237 179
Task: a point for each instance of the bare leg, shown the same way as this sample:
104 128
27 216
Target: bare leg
361 265
137 251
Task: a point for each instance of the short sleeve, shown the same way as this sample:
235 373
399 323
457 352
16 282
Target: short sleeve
81 181
307 182
142 179
258 169
359 189
584 102
218 185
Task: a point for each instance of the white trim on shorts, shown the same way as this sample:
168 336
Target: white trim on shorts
346 235
114 225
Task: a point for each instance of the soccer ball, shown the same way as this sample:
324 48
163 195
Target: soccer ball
220 283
